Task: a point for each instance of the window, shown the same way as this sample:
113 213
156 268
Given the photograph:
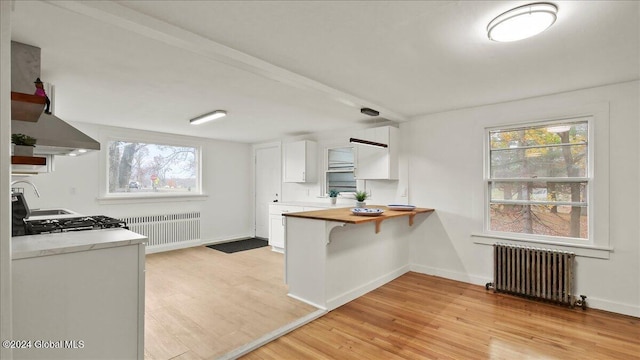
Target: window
339 171
152 169
539 179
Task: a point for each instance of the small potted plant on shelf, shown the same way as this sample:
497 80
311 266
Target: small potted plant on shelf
361 196
23 144
333 195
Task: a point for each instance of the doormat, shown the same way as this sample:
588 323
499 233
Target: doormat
241 245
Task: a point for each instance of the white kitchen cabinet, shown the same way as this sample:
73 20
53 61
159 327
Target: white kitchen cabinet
374 162
276 224
81 305
299 163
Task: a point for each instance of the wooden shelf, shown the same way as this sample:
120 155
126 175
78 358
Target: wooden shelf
28 160
26 107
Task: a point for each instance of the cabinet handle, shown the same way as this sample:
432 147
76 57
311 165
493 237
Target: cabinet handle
303 178
354 173
283 220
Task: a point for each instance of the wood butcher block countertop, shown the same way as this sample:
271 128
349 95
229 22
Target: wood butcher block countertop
344 215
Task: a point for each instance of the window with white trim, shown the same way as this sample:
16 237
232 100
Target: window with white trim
339 171
538 180
150 169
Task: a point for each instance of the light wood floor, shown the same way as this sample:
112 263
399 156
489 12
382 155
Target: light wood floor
422 317
202 303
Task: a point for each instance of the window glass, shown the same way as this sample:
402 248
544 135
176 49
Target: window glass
136 167
538 179
339 172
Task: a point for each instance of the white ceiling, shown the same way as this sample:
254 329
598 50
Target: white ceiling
283 68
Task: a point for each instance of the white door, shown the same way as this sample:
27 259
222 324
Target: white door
268 172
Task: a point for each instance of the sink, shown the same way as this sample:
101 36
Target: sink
53 213
47 212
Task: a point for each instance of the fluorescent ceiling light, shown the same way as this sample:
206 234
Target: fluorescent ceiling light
208 117
368 143
522 22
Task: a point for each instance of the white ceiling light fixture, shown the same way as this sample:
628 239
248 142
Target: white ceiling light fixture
208 117
522 22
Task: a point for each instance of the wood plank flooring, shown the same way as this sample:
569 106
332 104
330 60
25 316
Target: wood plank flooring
202 303
423 317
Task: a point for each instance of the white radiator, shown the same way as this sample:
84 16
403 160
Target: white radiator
166 231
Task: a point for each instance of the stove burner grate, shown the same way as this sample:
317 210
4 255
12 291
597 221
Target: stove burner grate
97 222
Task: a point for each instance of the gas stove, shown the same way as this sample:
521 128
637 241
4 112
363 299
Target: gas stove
45 226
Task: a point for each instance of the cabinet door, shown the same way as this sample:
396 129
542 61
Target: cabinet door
276 231
376 162
94 296
295 162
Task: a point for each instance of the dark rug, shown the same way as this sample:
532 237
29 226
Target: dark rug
241 245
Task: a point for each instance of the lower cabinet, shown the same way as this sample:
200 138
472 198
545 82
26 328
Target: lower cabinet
277 224
80 305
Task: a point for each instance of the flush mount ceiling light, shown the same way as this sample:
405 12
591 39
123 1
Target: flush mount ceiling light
208 117
522 22
370 112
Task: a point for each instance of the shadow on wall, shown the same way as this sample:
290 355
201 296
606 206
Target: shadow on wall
436 251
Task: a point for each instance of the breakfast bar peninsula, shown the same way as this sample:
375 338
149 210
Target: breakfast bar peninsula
334 256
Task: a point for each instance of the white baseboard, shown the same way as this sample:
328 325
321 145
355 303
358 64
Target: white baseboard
612 306
219 240
192 243
307 302
361 290
595 303
453 275
247 348
176 246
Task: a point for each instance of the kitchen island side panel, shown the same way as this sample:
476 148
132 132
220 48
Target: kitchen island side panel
360 260
329 263
305 260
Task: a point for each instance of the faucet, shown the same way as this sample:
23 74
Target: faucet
35 189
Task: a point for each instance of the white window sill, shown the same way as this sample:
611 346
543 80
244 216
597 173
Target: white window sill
598 252
155 198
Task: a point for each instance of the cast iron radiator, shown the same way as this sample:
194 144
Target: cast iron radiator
166 229
535 273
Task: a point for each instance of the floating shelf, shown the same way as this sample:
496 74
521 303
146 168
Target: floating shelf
26 107
28 160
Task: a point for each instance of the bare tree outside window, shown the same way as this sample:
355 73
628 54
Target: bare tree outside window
539 178
136 167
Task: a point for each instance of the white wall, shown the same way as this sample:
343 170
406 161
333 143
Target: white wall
445 156
226 179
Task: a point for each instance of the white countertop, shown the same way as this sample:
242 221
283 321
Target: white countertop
325 204
73 241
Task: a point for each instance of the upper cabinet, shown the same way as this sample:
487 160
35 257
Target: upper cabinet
373 162
299 162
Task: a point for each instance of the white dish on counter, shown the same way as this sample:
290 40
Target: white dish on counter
401 207
366 211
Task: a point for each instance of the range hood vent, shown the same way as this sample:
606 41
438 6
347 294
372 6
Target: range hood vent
54 135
